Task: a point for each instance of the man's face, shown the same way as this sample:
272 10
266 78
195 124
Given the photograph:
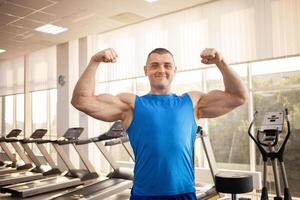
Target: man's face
160 69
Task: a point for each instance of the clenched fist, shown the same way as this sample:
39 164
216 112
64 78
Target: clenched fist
211 56
107 55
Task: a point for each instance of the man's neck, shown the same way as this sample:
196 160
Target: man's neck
163 91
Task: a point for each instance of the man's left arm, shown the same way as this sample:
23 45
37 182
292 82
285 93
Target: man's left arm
216 102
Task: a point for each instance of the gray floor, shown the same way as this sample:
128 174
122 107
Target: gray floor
125 195
122 196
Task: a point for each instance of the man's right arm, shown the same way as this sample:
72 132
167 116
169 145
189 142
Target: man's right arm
104 107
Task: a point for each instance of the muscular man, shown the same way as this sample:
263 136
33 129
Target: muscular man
161 125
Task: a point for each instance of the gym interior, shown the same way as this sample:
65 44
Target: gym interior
50 150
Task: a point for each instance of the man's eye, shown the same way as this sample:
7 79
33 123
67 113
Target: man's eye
168 66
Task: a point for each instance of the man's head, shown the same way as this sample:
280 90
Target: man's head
160 69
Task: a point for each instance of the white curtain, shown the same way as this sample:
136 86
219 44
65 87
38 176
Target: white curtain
42 69
242 30
12 76
42 72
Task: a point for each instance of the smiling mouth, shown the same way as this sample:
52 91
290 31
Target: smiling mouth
161 78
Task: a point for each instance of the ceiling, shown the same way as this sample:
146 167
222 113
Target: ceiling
19 18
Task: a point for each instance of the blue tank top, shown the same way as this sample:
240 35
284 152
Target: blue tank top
162 135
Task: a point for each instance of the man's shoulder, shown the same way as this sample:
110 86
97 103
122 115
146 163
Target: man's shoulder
126 95
195 96
127 98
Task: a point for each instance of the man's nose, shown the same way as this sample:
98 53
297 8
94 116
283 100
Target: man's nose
161 68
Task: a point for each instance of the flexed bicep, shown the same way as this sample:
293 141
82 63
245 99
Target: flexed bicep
106 107
216 103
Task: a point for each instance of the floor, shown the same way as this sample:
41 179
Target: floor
125 195
122 196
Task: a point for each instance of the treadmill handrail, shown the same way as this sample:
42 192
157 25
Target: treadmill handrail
117 141
44 141
64 141
13 140
83 141
29 140
38 141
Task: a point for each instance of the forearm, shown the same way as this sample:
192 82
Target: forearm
232 82
85 86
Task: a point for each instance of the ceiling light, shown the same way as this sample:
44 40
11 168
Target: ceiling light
52 29
151 1
2 50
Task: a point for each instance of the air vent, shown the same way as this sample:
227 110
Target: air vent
127 17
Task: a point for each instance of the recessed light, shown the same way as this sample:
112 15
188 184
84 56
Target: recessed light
2 50
151 1
52 29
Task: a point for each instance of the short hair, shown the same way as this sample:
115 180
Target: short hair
160 51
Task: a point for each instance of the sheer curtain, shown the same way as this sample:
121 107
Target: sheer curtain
242 30
42 69
42 72
12 76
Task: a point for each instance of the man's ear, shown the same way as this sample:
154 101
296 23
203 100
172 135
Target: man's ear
145 70
175 71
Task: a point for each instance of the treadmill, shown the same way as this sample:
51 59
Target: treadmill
73 177
15 166
118 180
39 171
12 161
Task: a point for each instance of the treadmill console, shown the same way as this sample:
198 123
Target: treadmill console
116 131
14 133
38 133
73 133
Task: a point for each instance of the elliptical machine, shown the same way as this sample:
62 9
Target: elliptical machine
267 143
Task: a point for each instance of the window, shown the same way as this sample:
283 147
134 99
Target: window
20 111
44 104
1 114
8 113
39 113
188 81
39 110
52 132
142 86
274 90
53 114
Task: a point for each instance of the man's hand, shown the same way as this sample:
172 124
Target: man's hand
211 56
106 55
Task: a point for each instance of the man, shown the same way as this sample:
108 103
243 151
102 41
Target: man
161 126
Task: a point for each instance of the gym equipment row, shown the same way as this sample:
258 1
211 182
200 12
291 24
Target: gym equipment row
39 179
30 178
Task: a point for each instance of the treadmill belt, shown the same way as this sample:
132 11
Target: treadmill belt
41 186
8 170
89 190
39 183
19 178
